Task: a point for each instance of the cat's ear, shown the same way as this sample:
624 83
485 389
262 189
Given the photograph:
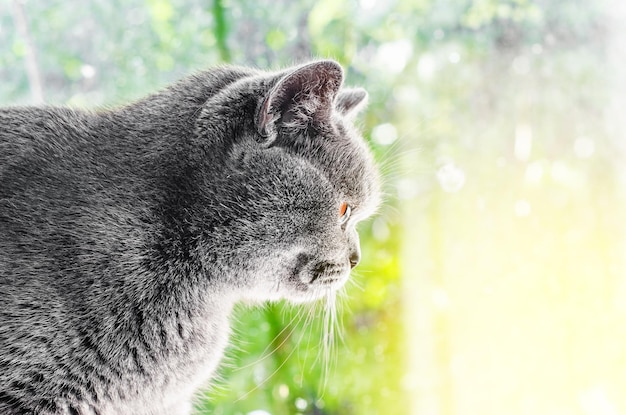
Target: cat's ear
350 101
300 98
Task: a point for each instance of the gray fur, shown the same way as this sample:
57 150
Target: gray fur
126 236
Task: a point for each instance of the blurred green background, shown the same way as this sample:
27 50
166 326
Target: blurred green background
494 277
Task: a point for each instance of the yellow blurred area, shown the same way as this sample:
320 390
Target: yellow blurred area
530 318
514 265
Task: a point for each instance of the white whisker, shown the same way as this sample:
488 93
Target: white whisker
293 324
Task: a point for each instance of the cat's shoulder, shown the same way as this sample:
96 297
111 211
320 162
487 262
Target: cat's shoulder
30 131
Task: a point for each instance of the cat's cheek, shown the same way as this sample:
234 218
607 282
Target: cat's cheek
263 291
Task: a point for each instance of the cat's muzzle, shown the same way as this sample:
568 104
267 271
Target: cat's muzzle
329 274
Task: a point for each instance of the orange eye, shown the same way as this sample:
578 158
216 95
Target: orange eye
344 212
343 208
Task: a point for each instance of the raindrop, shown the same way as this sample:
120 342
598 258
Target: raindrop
393 56
560 172
451 178
481 204
259 375
523 141
380 230
384 134
521 65
379 350
301 404
522 208
407 188
426 67
534 173
584 147
283 391
367 4
440 298
407 95
87 71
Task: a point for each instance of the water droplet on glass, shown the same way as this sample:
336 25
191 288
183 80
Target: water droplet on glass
560 172
584 147
393 56
408 95
407 188
521 65
426 67
451 178
522 208
533 173
87 71
301 404
367 4
283 391
380 230
384 134
259 374
523 141
440 298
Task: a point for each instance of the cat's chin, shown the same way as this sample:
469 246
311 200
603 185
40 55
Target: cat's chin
316 291
298 293
306 298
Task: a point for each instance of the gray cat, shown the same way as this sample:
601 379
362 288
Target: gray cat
126 236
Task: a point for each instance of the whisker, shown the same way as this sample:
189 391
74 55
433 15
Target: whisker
267 378
308 328
264 356
330 327
354 281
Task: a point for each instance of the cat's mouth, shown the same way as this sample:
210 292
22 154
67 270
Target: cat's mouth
312 279
329 274
320 276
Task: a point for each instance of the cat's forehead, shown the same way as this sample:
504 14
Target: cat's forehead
345 159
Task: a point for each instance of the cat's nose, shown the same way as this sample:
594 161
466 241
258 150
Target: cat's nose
355 257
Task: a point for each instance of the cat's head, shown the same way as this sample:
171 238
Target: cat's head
298 178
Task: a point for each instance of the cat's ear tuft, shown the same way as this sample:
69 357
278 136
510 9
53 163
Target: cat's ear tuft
300 98
350 101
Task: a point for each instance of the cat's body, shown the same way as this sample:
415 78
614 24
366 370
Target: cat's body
127 236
